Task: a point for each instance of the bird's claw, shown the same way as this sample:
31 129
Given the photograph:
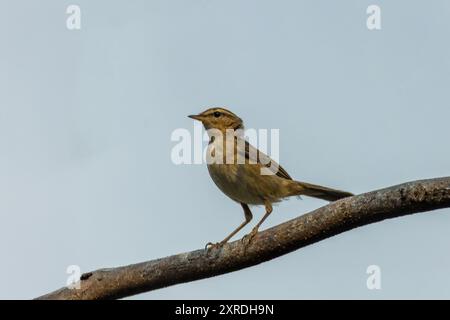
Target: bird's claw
249 237
211 245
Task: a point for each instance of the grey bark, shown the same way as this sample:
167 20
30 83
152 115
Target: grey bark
322 223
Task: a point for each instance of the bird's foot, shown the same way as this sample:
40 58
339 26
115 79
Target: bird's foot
210 245
249 237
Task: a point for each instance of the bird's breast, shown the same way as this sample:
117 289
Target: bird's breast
241 182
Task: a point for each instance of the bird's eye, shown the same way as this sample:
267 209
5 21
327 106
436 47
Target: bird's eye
217 114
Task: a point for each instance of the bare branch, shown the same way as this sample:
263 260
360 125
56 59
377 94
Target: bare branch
319 224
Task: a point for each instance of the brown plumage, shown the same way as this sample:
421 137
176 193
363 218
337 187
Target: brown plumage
236 168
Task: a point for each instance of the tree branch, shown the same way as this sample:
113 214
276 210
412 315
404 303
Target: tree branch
322 223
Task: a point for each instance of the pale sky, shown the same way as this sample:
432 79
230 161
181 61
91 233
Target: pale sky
86 116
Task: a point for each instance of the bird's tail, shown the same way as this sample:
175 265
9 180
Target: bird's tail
302 188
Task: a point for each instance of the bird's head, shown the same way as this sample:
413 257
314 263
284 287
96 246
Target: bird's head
219 118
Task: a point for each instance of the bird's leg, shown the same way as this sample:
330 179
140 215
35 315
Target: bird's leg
254 231
248 217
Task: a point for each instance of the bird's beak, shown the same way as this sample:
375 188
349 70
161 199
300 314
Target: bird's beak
196 117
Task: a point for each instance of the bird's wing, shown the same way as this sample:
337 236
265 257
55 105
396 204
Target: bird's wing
251 152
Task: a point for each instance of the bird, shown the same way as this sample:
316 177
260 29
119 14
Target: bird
236 168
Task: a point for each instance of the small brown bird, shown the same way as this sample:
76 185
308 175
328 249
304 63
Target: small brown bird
243 181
